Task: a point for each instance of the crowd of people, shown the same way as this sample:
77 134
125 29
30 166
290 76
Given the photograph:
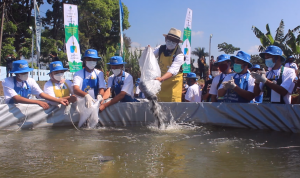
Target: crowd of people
234 79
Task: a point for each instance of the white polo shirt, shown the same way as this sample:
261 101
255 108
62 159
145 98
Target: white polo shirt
193 93
177 63
48 89
250 80
78 79
288 77
214 85
128 83
9 91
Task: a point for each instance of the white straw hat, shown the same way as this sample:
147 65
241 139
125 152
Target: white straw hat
175 34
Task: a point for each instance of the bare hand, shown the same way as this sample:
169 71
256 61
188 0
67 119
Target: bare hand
63 101
72 99
102 107
44 105
159 79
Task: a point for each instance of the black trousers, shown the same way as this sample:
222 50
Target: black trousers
8 69
201 73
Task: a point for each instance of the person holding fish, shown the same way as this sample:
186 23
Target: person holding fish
58 86
89 82
119 85
170 59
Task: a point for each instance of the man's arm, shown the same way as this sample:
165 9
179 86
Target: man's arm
257 89
78 91
116 99
106 94
221 92
20 99
277 88
58 100
213 98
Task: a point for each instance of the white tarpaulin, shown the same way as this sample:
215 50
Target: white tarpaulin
275 117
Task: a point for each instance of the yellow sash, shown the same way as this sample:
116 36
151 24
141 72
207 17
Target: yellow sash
60 93
171 89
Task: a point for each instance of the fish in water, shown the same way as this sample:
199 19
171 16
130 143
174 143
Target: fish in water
156 109
103 159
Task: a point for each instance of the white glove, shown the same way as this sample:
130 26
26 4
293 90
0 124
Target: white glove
88 100
229 84
99 98
259 76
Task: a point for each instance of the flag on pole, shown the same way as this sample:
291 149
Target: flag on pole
186 45
121 29
72 37
38 27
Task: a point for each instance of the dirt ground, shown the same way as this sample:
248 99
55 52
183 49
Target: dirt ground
41 84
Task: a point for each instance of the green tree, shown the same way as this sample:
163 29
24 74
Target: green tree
227 48
293 41
256 59
199 52
279 40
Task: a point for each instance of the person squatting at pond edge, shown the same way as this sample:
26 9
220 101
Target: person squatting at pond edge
170 59
193 93
238 87
18 89
58 86
120 84
277 84
89 82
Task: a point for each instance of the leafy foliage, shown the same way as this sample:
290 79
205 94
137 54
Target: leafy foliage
199 52
227 48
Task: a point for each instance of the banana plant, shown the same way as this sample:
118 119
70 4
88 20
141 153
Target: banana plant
267 39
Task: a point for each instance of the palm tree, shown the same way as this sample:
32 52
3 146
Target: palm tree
199 52
279 40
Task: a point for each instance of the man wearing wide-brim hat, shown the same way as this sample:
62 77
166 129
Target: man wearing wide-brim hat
119 85
238 87
170 59
193 93
89 82
277 84
58 86
19 88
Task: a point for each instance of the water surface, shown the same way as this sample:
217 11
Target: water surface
148 152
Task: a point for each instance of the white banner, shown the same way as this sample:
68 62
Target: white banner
72 37
186 45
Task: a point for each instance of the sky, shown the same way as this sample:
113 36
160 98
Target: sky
229 21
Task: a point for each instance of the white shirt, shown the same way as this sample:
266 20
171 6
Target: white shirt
78 79
128 83
48 89
137 91
9 91
292 65
213 88
193 94
288 77
250 80
177 63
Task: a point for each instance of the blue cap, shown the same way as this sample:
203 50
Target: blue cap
91 53
116 60
273 50
223 57
20 66
56 66
191 75
256 66
138 79
241 55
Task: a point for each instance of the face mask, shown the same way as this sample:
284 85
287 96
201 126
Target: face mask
91 64
58 76
237 68
223 67
9 57
170 44
116 71
23 77
269 63
215 73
